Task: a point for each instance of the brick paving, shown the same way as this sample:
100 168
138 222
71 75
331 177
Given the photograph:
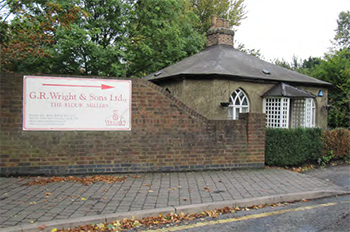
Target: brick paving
21 204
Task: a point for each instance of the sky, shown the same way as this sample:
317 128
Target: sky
286 28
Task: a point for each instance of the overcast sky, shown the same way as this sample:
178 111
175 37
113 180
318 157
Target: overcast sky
283 28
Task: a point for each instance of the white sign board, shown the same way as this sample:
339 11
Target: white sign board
55 103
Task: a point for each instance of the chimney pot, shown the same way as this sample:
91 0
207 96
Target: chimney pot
219 23
213 20
226 23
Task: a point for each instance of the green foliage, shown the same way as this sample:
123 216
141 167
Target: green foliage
335 68
228 9
29 36
253 52
283 63
324 160
162 33
347 159
105 37
291 147
342 37
295 65
93 46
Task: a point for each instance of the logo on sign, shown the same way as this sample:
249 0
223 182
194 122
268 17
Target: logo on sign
115 119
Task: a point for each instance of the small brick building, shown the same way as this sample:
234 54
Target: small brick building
221 82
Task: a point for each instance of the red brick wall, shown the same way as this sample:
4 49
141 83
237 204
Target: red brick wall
166 135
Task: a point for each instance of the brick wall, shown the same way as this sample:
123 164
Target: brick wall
166 135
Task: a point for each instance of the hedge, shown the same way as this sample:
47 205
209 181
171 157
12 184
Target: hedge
336 143
291 147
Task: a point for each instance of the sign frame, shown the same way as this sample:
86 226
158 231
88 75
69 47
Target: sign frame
70 104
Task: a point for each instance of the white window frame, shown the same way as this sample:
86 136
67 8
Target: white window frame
235 109
310 112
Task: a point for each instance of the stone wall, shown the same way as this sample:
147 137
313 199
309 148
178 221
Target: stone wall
166 135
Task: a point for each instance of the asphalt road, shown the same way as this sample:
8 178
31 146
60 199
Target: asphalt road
327 214
339 175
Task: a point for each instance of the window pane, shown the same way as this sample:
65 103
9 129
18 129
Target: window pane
237 103
236 113
234 95
230 112
297 113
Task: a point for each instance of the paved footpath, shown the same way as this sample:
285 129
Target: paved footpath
21 204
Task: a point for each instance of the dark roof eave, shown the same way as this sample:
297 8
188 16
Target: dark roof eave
241 78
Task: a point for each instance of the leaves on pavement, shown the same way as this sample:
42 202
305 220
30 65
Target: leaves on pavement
82 180
156 222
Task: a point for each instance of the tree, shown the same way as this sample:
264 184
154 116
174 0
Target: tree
335 68
94 45
228 9
309 65
105 37
253 52
295 65
161 33
282 63
30 34
342 37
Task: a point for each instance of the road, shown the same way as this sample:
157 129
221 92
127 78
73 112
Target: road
339 175
327 214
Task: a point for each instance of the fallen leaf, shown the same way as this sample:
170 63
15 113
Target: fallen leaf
100 225
42 227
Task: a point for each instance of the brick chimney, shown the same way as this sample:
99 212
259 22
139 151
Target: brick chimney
219 32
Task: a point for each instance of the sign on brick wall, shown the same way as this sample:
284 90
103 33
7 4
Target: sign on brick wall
55 103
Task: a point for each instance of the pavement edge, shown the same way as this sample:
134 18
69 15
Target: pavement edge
197 208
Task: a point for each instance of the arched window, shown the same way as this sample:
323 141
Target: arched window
239 103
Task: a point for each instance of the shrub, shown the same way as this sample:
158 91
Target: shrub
291 147
336 142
